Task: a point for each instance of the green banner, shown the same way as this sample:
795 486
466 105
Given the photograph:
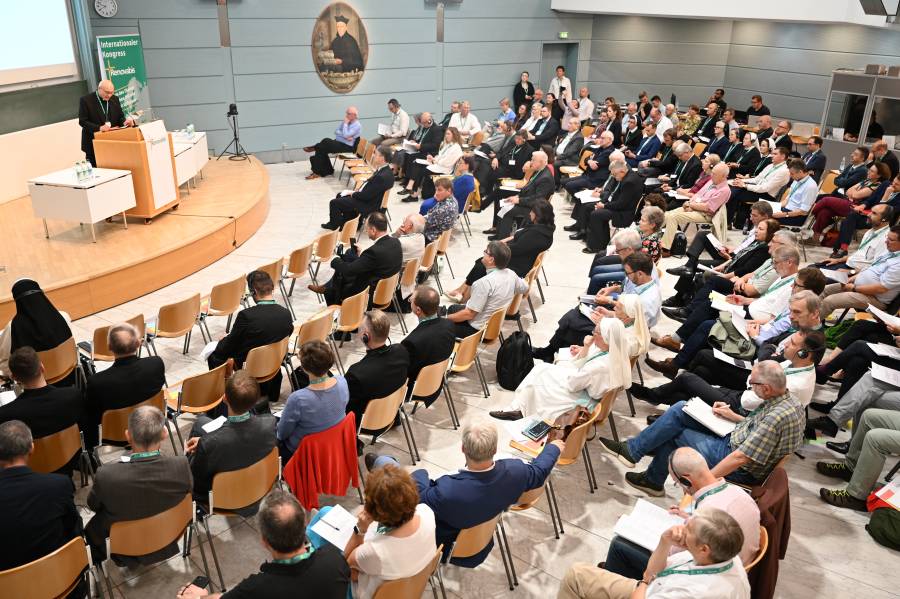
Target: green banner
122 62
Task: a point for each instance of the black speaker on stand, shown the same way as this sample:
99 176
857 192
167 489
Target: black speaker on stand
239 153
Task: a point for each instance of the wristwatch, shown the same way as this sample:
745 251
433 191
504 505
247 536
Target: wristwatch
356 530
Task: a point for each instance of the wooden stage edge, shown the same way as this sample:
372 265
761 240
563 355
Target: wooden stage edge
82 278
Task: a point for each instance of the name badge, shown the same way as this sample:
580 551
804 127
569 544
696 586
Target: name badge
512 163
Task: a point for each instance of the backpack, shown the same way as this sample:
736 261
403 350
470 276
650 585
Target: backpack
514 360
725 337
679 244
884 527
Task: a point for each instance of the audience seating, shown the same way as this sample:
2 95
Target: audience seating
274 270
114 422
430 379
530 498
443 243
380 414
298 265
198 394
407 279
471 541
265 361
493 328
385 295
361 147
763 547
410 587
55 451
55 575
61 361
177 320
465 355
225 299
323 252
350 315
99 348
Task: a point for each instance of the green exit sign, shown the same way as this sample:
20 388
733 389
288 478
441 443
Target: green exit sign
563 35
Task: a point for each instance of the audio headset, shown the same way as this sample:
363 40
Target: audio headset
683 481
802 353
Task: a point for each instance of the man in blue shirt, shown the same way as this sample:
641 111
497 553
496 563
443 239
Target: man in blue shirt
345 139
877 285
800 197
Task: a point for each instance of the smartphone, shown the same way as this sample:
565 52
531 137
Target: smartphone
536 430
201 582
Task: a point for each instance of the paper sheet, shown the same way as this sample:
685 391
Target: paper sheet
885 317
409 145
504 208
585 310
652 181
715 241
384 131
705 268
509 188
740 323
776 206
422 161
671 193
703 413
733 361
7 397
336 526
645 524
886 375
890 493
563 355
214 425
841 276
719 302
438 169
882 349
586 196
208 349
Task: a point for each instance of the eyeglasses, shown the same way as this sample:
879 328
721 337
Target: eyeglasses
756 383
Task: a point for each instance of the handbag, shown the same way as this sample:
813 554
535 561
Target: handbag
725 337
566 422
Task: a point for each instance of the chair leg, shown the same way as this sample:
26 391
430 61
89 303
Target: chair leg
533 314
205 324
555 505
171 437
212 548
437 277
484 385
630 402
177 430
546 280
291 288
410 439
509 555
454 419
337 354
187 342
640 373
203 554
503 556
104 567
287 301
450 266
441 582
612 427
589 466
400 318
462 227
540 289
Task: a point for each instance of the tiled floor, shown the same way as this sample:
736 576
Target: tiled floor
830 555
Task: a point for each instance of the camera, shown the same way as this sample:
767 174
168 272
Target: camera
232 110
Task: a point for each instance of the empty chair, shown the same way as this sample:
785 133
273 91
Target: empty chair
465 355
347 232
224 300
316 328
298 265
350 315
385 295
431 378
427 262
443 242
264 362
177 320
361 145
199 393
55 575
380 413
323 252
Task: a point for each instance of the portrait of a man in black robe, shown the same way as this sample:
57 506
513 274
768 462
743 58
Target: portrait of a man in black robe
340 47
346 52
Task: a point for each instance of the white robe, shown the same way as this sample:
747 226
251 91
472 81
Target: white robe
551 389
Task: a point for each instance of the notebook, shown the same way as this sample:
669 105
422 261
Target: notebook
645 524
703 413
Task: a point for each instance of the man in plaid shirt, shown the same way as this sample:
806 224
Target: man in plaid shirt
746 455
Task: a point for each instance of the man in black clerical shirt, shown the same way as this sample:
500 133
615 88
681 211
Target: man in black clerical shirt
99 111
345 49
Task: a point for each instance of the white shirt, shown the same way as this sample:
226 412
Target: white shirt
585 109
730 584
399 124
801 382
556 84
491 292
466 126
871 247
774 300
565 141
664 124
770 180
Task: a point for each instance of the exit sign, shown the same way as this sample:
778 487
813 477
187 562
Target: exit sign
563 35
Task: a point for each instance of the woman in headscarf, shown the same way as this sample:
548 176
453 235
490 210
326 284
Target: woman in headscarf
628 309
37 324
599 365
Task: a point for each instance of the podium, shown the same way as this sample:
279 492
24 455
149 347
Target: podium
147 152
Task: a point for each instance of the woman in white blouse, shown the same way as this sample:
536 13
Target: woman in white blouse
442 164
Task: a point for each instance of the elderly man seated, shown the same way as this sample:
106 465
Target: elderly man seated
746 455
877 285
701 207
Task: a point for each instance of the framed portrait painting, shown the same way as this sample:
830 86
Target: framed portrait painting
340 47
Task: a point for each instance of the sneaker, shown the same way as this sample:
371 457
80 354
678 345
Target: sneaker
639 481
618 449
841 498
835 470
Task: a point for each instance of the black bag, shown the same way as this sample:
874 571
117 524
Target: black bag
514 360
679 244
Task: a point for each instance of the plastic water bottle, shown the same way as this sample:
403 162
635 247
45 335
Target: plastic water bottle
77 170
843 164
90 169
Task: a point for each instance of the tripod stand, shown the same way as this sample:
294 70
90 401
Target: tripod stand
239 152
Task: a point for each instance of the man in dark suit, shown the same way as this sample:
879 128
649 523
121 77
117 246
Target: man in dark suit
719 144
647 147
147 484
508 163
37 511
764 129
814 158
431 341
383 369
539 187
99 111
686 173
445 122
481 490
597 170
544 131
667 161
351 204
354 272
45 409
568 148
426 139
242 440
707 126
781 136
631 137
259 325
129 381
618 210
881 153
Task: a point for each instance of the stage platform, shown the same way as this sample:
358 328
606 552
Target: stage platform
82 277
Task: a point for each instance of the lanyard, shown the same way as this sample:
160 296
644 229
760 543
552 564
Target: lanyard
779 285
261 302
644 143
666 153
766 269
713 491
693 572
144 454
774 167
297 558
105 109
871 235
886 257
762 165
640 290
239 417
595 356
730 150
318 380
789 371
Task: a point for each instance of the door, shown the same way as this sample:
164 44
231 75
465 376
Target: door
552 56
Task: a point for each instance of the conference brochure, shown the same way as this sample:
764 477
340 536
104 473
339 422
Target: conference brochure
884 317
646 524
336 526
703 413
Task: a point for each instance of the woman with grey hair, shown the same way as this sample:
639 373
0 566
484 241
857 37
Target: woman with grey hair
649 230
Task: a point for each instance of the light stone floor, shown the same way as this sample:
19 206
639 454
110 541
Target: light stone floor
830 555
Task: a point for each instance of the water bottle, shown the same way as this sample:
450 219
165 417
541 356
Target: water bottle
77 170
843 164
90 170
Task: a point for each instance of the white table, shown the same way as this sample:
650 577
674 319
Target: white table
198 154
185 162
62 196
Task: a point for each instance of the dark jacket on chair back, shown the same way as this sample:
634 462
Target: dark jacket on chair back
258 325
429 343
128 382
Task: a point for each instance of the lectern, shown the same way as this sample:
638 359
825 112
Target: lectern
146 151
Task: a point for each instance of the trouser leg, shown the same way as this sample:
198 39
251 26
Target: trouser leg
598 229
626 558
876 436
584 581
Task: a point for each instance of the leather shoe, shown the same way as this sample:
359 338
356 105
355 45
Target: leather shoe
579 236
666 367
664 253
320 289
824 424
511 415
838 447
679 314
680 271
589 251
571 228
822 407
404 192
493 238
644 393
673 302
329 226
666 342
410 198
490 231
652 418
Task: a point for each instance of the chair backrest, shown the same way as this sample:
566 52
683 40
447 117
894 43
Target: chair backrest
273 269
54 575
361 145
114 422
410 587
59 361
178 318
410 271
605 406
578 436
528 499
316 328
539 260
384 198
147 535
264 362
828 185
443 242
585 156
430 379
513 308
52 452
324 245
494 325
384 291
466 350
370 151
225 298
381 412
471 541
238 489
348 231
298 262
699 147
763 547
352 311
428 256
587 130
204 389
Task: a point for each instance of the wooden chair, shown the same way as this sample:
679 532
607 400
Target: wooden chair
493 328
99 350
699 148
60 361
199 393
264 362
114 422
350 316
363 159
577 171
177 320
465 355
431 379
443 242
471 541
763 547
54 575
380 413
298 265
539 263
347 232
323 252
139 537
528 499
385 295
238 489
52 452
385 197
476 140
827 185
413 586
407 279
428 258
224 300
361 145
463 217
315 328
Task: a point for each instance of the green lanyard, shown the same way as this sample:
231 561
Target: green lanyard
640 290
709 493
239 417
261 302
427 318
886 257
693 572
730 150
789 371
595 356
761 166
297 558
383 530
105 109
144 454
320 379
780 284
771 172
871 235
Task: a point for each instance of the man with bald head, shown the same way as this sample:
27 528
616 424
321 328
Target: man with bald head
345 139
424 141
540 186
99 111
618 209
701 207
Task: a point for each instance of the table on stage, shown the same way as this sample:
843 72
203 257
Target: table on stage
60 195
